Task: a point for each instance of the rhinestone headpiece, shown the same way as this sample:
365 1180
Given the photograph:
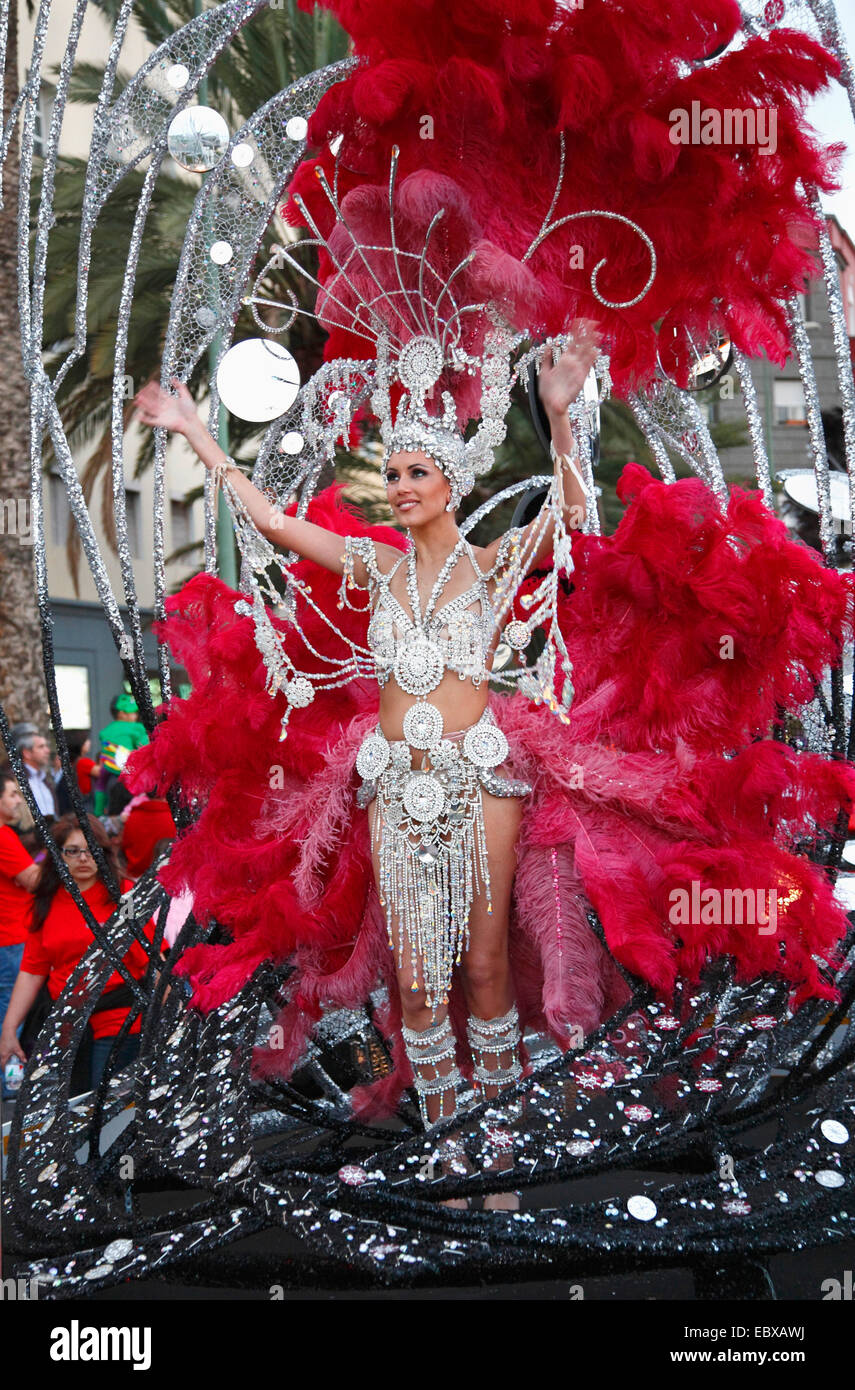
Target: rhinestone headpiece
419 367
429 311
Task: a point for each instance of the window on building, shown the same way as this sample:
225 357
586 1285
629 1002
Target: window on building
805 306
60 512
850 309
41 125
708 407
72 689
181 515
790 403
133 511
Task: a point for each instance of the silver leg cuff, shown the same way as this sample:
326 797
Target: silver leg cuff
491 1038
425 1050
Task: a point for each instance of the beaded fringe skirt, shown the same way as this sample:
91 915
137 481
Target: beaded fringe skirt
430 837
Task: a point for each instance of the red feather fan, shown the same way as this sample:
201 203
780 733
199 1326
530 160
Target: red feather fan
479 94
666 780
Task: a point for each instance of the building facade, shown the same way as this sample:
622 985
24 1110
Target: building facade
780 393
89 672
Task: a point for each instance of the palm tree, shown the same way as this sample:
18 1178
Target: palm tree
278 46
22 691
621 441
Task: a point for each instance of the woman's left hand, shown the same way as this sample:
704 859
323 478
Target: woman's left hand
560 382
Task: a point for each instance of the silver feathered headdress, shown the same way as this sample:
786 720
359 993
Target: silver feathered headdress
441 306
419 305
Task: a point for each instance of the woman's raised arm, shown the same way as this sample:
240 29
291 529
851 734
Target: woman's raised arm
559 385
178 413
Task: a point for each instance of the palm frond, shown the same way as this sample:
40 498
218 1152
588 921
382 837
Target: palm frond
87 79
274 49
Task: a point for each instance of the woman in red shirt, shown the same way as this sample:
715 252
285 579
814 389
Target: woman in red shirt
58 939
147 819
18 878
85 768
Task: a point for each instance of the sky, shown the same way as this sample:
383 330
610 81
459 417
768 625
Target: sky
831 117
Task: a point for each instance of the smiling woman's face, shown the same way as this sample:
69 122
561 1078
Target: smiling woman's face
417 490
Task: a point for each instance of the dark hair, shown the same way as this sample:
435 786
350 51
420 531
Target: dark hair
49 879
119 797
6 776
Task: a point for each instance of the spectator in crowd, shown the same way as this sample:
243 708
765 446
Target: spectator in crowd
17 731
36 757
111 817
18 878
82 768
85 769
118 740
59 937
24 823
60 787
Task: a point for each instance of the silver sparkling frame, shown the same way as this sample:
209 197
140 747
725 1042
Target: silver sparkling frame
196 1115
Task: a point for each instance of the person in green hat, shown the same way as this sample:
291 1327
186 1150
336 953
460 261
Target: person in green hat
118 740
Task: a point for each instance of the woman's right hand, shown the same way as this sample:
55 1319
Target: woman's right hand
154 406
10 1047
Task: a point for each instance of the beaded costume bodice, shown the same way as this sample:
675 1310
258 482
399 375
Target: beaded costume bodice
461 628
456 636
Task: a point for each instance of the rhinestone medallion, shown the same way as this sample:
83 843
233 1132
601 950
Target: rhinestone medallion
373 756
423 725
516 634
424 798
485 745
419 666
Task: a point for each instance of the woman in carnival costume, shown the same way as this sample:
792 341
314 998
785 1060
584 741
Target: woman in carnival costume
444 821
444 839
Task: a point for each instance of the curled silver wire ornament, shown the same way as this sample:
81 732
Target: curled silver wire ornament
614 217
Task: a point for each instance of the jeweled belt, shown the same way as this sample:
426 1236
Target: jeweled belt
430 835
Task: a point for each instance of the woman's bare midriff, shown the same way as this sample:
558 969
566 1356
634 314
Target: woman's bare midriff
460 703
460 707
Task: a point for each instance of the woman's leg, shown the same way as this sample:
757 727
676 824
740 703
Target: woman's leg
493 1019
10 964
101 1049
485 965
427 1034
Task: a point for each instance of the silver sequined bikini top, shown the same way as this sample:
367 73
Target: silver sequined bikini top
462 635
